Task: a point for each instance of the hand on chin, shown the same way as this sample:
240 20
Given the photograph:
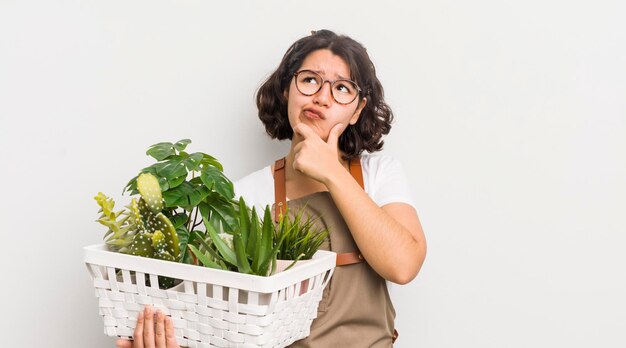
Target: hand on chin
314 156
315 127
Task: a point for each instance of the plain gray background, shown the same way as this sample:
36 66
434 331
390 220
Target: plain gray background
510 122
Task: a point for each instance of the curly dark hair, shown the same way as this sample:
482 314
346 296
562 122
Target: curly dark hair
376 117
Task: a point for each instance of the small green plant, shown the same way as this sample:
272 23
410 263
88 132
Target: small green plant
251 248
300 237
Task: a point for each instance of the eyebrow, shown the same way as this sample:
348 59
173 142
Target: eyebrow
321 72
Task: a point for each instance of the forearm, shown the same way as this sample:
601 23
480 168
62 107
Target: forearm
389 247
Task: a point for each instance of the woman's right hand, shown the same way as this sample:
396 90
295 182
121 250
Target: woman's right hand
152 331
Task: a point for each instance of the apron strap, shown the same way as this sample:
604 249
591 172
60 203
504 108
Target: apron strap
280 201
356 171
280 190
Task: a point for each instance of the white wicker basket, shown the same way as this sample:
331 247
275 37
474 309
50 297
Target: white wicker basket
210 308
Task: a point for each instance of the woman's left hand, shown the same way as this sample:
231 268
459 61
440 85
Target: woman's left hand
152 331
316 158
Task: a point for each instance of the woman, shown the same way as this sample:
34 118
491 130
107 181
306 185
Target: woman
325 97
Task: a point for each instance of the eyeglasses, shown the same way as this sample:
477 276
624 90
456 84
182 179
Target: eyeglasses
309 82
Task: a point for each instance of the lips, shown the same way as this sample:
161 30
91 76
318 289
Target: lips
314 114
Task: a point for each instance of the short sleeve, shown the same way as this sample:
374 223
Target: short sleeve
385 180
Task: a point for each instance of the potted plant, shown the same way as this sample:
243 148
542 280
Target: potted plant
299 237
164 220
183 215
250 249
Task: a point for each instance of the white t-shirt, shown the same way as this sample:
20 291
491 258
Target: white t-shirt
383 178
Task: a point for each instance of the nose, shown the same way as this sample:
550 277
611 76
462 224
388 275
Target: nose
324 95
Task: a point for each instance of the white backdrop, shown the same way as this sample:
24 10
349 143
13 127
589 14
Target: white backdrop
510 120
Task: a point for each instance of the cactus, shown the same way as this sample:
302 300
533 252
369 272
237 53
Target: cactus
148 187
142 230
156 236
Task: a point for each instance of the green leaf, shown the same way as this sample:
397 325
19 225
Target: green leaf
182 144
203 258
242 258
254 239
227 253
192 239
244 221
185 195
183 239
193 161
216 208
199 239
131 187
179 219
208 160
263 253
256 230
172 168
271 260
175 182
161 151
215 180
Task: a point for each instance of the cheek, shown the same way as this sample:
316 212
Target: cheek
294 102
292 111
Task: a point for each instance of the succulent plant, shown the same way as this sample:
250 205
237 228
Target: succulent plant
120 231
300 236
253 249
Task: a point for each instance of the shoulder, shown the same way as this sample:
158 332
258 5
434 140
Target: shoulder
379 164
385 179
256 188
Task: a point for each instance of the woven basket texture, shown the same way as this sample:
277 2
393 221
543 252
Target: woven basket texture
210 308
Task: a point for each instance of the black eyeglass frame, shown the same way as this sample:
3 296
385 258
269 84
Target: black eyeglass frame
332 83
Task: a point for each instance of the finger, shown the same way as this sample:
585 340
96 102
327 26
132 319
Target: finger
170 334
122 343
296 165
298 147
148 328
159 331
138 334
333 135
304 130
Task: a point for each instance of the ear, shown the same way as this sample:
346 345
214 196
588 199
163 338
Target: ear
357 112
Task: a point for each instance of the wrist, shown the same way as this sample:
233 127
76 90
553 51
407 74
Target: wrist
337 177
